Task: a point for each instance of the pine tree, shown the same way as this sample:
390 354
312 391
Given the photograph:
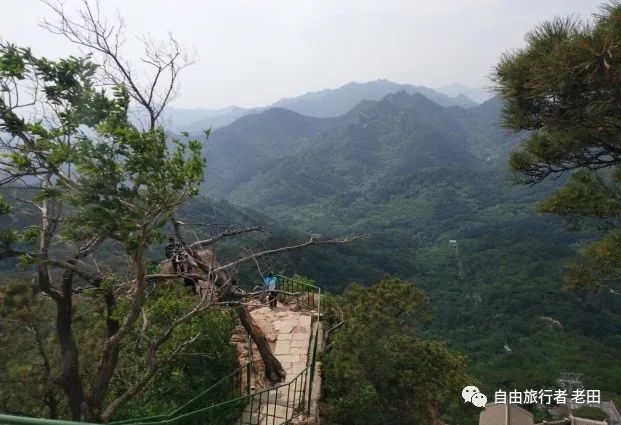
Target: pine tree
563 90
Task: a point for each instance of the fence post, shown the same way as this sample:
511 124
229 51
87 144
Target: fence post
318 305
312 370
314 352
249 364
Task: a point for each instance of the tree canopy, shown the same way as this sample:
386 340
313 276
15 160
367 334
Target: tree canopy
96 178
563 91
89 161
380 368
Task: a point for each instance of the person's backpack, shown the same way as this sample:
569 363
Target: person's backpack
271 283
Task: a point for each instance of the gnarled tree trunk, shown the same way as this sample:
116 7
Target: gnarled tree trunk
99 384
71 381
273 369
205 261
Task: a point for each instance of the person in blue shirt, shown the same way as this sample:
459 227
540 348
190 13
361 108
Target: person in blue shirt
269 282
267 278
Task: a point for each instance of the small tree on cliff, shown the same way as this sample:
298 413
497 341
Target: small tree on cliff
564 89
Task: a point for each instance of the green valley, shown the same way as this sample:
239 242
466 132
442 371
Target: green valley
413 175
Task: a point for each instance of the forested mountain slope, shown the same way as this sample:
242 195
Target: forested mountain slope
330 103
324 103
413 175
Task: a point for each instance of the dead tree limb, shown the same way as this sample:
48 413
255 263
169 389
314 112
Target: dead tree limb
311 241
232 295
273 369
163 61
226 233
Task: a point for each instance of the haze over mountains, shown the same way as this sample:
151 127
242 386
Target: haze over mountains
478 94
412 174
326 103
364 243
413 169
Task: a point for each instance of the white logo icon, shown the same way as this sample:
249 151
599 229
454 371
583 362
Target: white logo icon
473 395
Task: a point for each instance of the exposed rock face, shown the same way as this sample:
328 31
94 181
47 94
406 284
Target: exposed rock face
205 257
257 375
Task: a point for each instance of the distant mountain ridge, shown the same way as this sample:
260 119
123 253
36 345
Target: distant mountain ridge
244 157
320 104
196 120
478 94
413 175
330 103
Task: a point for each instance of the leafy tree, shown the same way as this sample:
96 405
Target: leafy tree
563 88
99 178
87 139
27 364
378 367
29 360
208 357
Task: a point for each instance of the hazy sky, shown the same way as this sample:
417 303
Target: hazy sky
254 52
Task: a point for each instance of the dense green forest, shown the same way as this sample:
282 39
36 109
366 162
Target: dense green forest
456 243
414 175
381 366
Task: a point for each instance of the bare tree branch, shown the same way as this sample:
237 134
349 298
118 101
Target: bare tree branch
226 233
152 370
311 241
164 61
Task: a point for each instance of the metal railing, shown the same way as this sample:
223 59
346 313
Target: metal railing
231 386
230 401
284 402
306 294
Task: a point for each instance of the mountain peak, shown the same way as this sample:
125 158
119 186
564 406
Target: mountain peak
403 99
476 94
330 102
399 96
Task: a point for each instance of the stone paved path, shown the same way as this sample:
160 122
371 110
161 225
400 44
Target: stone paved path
289 332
